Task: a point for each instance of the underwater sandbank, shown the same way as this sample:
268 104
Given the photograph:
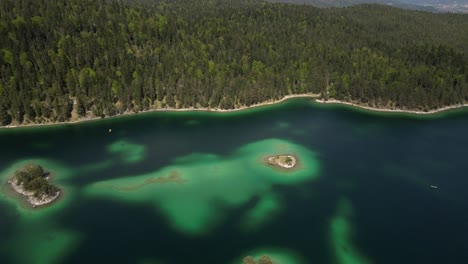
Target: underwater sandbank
196 191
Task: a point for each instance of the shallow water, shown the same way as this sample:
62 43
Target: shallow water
194 187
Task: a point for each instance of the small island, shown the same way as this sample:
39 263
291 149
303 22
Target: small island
31 181
262 260
284 161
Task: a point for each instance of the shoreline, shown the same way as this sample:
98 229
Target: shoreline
29 196
389 110
190 109
279 161
242 108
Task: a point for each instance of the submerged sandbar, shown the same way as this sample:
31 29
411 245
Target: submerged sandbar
185 189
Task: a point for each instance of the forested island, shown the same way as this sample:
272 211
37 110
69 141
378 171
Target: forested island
31 182
65 61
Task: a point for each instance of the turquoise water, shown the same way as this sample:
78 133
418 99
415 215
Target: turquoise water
194 187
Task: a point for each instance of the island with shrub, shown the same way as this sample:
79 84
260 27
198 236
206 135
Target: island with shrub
284 161
262 260
32 181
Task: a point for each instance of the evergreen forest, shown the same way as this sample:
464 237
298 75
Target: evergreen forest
72 59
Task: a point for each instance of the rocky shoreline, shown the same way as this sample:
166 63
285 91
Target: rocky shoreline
30 197
282 161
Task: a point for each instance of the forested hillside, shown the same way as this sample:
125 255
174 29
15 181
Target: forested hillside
344 3
76 58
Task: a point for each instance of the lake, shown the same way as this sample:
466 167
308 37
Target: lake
193 187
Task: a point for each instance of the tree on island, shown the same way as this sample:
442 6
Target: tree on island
248 260
265 260
33 179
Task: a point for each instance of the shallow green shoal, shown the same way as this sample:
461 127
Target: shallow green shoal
196 190
59 173
42 243
341 234
128 152
36 229
268 206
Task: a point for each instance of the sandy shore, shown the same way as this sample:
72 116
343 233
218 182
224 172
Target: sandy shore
271 102
333 101
190 109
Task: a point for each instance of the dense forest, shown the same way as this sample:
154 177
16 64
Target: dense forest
65 60
343 3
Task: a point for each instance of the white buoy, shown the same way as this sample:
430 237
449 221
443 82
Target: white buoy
110 130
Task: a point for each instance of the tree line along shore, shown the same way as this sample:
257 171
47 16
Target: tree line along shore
315 98
71 60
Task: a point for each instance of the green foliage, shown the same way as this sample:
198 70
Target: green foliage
7 56
32 176
406 4
5 118
265 260
248 260
36 171
18 22
116 56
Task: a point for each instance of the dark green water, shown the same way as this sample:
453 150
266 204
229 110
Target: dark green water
192 188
